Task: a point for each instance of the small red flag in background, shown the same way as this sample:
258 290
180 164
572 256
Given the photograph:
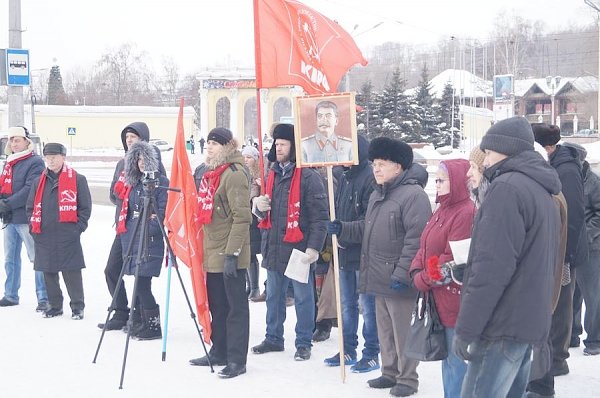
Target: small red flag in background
295 45
185 236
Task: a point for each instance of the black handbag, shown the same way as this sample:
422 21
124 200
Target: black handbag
426 340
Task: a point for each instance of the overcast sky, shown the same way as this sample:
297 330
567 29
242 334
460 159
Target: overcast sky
200 33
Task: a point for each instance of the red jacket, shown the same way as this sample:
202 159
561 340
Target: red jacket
453 220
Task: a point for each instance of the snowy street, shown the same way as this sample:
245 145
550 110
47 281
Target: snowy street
53 357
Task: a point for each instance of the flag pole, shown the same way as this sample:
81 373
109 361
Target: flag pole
258 73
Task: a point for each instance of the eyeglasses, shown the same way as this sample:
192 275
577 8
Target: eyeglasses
440 181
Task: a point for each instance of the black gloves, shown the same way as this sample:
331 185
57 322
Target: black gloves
461 348
398 285
4 207
230 266
334 227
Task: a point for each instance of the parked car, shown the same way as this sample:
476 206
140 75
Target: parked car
161 144
586 133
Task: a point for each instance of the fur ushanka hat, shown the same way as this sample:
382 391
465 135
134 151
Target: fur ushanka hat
386 148
283 131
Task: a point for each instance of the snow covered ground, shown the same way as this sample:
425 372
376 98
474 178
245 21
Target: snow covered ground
53 357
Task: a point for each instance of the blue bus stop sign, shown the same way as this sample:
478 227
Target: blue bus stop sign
17 67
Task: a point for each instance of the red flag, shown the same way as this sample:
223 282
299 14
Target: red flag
185 236
295 45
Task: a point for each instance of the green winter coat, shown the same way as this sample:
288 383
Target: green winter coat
229 231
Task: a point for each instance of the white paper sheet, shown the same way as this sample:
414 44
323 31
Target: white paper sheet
298 266
460 250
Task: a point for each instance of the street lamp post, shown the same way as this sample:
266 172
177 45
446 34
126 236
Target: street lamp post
553 83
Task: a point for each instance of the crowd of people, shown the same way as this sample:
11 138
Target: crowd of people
529 206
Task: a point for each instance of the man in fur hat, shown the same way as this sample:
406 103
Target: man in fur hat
223 197
21 168
58 208
293 214
396 214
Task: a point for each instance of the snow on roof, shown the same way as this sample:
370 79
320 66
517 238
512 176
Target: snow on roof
471 85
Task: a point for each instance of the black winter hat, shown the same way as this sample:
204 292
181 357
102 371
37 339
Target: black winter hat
546 134
386 148
283 131
509 136
54 148
220 135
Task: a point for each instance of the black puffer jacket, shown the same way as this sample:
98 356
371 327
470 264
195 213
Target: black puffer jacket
314 215
508 282
354 189
566 162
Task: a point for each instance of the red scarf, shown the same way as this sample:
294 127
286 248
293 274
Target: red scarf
6 177
119 187
124 196
293 233
67 199
206 193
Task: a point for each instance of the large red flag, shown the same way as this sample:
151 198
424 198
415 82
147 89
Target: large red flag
185 236
295 45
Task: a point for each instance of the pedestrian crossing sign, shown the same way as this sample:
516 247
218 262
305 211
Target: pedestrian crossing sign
71 131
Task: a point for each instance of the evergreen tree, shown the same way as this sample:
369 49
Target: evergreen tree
395 111
56 91
426 120
367 118
447 126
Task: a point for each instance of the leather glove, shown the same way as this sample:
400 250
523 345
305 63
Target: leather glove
262 203
461 348
230 267
311 255
334 227
4 207
398 285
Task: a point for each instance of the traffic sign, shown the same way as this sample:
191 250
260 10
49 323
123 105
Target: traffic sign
17 67
71 130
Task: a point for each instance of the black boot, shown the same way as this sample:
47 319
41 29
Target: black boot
118 320
138 323
151 329
252 276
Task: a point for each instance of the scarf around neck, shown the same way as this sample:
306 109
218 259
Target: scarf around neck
206 193
6 177
293 233
67 198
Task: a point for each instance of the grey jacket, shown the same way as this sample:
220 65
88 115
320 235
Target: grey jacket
396 215
591 189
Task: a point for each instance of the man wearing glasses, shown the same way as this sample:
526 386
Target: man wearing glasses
325 145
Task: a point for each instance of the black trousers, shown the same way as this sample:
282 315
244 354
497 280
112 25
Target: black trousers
144 294
74 284
112 272
560 337
230 324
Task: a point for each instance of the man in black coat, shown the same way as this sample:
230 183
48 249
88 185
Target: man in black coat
354 188
506 304
294 215
59 207
565 161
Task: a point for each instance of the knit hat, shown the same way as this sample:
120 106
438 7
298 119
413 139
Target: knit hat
17 131
249 150
54 148
283 131
220 135
509 136
477 156
386 148
546 134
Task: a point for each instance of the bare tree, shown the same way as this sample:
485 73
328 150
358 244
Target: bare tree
169 81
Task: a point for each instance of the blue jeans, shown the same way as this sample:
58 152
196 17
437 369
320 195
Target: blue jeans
498 369
453 369
14 236
350 298
304 303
